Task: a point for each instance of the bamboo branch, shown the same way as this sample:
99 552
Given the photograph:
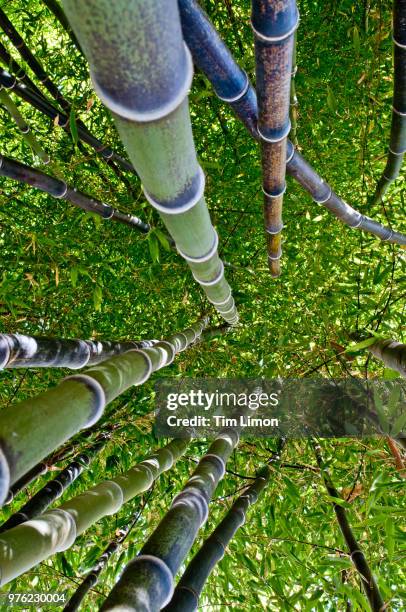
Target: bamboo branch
212 56
357 556
59 189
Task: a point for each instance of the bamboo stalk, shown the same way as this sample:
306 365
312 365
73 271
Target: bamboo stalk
392 353
36 426
208 50
294 103
55 8
59 189
147 581
30 543
36 100
274 24
368 582
397 143
151 112
53 489
188 590
23 482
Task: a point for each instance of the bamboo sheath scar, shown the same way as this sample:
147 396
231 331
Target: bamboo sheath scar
214 59
147 581
59 189
30 543
145 86
274 23
397 144
35 427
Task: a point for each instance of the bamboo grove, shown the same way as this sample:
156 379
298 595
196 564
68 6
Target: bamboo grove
200 127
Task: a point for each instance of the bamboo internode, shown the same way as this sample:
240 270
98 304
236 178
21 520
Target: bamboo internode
147 581
397 143
208 52
274 24
150 108
33 541
35 427
59 189
392 353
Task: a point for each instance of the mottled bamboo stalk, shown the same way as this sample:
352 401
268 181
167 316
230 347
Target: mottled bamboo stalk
392 353
397 144
56 10
9 81
150 108
368 582
33 428
20 351
30 543
294 103
209 52
147 581
57 188
46 496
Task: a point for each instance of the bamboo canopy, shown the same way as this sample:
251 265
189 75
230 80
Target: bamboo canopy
56 10
14 67
59 189
274 24
392 353
151 112
36 100
208 54
46 496
35 427
20 351
357 556
33 541
147 581
397 144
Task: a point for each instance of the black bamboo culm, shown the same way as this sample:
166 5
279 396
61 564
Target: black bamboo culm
187 593
369 584
20 351
59 189
232 86
57 11
54 488
147 581
392 353
397 143
274 24
38 470
14 67
9 81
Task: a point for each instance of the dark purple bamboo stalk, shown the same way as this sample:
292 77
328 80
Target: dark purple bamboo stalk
20 351
392 353
357 556
147 581
274 23
58 13
397 144
14 67
24 481
40 103
214 59
59 189
54 488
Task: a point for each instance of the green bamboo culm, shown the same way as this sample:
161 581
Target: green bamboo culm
392 353
33 428
30 543
188 590
147 581
368 581
145 86
397 144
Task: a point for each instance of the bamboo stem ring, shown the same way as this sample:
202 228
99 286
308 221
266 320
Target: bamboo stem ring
398 44
275 39
176 210
4 477
284 134
162 567
324 200
274 195
205 257
238 96
99 395
214 281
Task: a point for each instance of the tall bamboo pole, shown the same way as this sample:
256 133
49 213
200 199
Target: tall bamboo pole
59 189
294 103
274 23
20 351
53 489
208 52
14 67
36 100
35 427
147 581
30 543
357 556
392 353
397 144
150 108
22 483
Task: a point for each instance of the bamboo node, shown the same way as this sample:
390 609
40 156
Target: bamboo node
356 552
358 223
238 96
398 44
216 280
223 301
4 477
193 497
219 460
163 568
207 256
274 195
273 39
398 112
274 231
325 199
99 396
4 348
183 206
284 133
63 194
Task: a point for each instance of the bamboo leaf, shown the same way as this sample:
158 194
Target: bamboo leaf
97 297
153 245
331 100
163 239
356 40
355 348
72 125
